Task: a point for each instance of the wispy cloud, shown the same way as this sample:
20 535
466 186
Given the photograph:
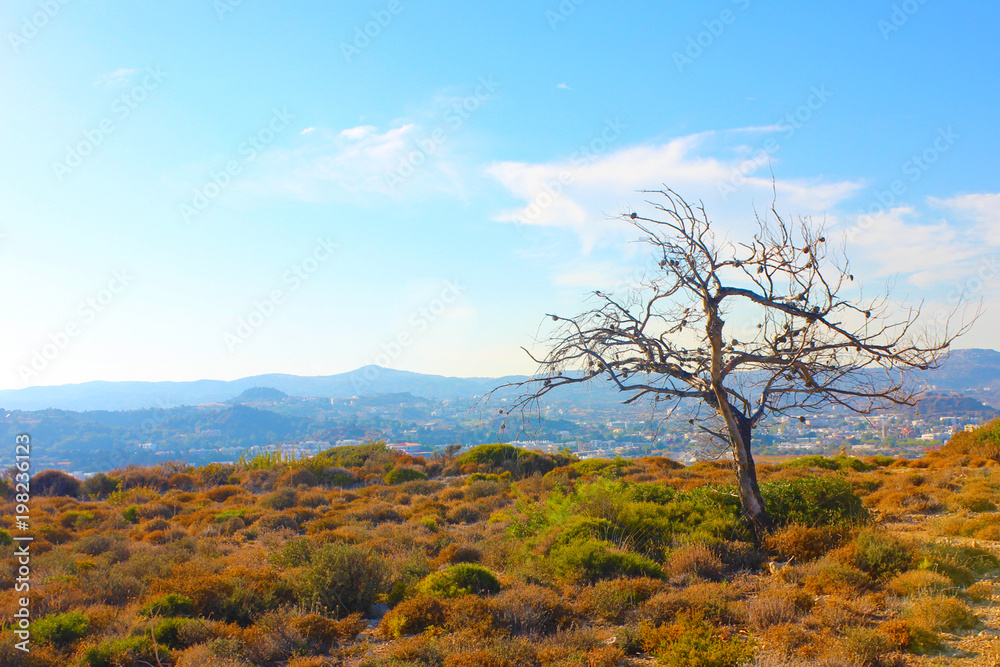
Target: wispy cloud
982 209
117 79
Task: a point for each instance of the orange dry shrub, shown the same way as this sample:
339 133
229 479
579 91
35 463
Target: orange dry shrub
905 494
803 543
696 560
222 493
458 553
713 601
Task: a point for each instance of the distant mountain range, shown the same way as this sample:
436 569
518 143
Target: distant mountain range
975 371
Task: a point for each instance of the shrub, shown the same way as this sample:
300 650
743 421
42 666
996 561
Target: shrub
500 458
867 647
612 599
941 614
179 632
777 605
399 475
297 477
880 554
413 616
341 577
695 559
100 486
55 483
958 563
456 553
803 543
115 652
321 631
170 604
280 500
221 493
60 629
531 609
691 642
590 559
919 582
813 501
459 579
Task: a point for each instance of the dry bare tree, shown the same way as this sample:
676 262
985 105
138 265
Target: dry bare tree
808 337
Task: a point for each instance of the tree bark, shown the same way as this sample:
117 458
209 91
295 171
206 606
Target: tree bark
746 473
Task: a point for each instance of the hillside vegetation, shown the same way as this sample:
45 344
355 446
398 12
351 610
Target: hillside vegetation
501 556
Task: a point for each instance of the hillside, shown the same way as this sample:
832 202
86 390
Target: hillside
964 370
367 557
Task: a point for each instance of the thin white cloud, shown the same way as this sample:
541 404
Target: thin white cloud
563 86
575 193
117 79
307 130
983 209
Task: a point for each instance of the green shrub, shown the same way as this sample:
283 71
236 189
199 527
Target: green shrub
588 559
880 554
179 632
691 642
459 579
400 475
131 513
170 604
341 577
866 646
60 629
813 501
280 500
117 652
963 565
519 462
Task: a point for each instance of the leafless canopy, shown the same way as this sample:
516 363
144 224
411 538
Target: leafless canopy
813 338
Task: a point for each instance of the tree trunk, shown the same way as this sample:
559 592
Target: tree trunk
746 473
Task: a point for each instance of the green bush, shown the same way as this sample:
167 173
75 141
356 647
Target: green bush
131 513
691 642
117 652
963 565
60 629
280 500
519 462
589 559
813 501
941 614
399 475
880 554
459 579
170 604
179 632
341 577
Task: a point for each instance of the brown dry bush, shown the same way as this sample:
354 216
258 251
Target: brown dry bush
778 604
941 614
458 553
413 616
296 477
712 601
531 609
803 543
697 560
470 613
919 582
222 493
613 599
579 648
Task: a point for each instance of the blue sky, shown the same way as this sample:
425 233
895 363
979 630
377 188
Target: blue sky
204 189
